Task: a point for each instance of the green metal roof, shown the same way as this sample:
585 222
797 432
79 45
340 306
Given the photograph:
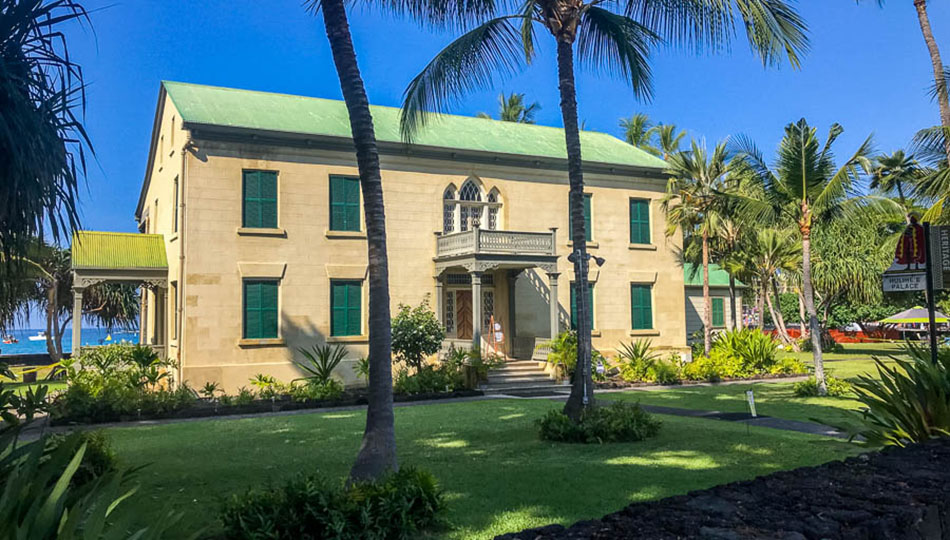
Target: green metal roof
248 109
118 251
693 276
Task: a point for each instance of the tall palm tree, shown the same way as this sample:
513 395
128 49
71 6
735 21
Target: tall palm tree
896 173
776 253
42 140
377 454
512 108
693 204
638 130
805 190
669 139
502 42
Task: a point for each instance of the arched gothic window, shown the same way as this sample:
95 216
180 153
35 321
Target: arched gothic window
469 207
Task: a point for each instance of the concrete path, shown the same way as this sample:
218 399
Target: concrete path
812 428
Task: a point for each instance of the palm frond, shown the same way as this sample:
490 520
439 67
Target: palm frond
473 61
617 45
774 30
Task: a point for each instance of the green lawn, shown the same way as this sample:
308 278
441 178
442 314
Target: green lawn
498 476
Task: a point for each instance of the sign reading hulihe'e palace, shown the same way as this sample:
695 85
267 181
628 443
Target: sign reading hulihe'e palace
908 270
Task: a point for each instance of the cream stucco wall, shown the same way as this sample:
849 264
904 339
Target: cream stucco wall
305 255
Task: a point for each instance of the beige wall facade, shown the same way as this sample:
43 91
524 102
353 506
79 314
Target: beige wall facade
211 254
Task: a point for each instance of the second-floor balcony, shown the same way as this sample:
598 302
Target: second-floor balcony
478 241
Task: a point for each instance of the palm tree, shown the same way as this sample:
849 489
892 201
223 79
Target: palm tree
42 141
513 109
503 42
776 253
638 130
669 140
377 454
805 190
896 173
693 203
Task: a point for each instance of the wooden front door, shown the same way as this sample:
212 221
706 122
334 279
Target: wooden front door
463 314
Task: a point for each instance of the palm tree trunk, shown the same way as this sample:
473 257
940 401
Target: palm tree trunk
707 301
779 318
809 297
760 306
733 323
377 454
802 317
942 98
582 389
51 310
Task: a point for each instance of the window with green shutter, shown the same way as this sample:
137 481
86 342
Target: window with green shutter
345 308
590 303
588 230
718 312
260 309
344 203
639 221
260 199
641 306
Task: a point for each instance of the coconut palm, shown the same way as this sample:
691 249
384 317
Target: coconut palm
638 130
512 108
896 173
693 204
805 190
377 454
42 141
501 42
775 253
669 139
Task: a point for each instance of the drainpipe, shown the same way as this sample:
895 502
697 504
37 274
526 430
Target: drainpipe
180 303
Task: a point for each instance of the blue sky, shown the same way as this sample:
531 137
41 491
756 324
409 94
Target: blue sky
868 69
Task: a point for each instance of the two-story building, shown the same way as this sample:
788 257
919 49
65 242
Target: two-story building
257 201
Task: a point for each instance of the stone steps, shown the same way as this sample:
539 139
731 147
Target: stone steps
522 377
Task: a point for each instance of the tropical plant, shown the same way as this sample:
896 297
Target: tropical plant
321 361
809 387
907 402
638 130
43 143
618 422
417 333
807 190
210 390
619 43
377 453
635 359
896 173
693 204
669 139
512 108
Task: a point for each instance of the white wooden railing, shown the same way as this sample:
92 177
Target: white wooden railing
488 241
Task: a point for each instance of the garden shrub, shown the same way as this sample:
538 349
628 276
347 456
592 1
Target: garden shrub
564 353
321 361
639 363
755 350
809 387
788 365
618 422
445 377
99 458
401 505
417 334
909 402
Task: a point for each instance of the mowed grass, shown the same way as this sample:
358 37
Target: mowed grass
498 476
777 398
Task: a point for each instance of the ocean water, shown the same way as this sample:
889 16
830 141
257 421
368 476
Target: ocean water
90 336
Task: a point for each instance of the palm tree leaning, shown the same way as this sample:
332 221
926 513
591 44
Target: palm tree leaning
693 203
512 108
805 190
377 454
638 130
618 43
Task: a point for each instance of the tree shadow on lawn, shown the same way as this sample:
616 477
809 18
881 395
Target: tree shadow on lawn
498 476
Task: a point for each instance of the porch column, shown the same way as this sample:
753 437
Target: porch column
512 315
555 314
439 299
477 309
77 320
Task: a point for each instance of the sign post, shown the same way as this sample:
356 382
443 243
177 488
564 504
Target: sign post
929 256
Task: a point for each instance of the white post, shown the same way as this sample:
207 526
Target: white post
553 303
477 309
77 320
439 300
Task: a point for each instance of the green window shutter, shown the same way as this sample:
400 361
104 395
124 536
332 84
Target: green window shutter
260 309
588 225
639 221
590 304
260 199
344 203
345 308
718 312
641 307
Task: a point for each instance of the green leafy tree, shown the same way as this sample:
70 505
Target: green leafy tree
417 334
807 190
501 42
377 454
512 108
692 204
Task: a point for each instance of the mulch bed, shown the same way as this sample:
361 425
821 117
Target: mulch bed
897 493
205 409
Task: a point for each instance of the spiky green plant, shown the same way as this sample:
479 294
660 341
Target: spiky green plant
321 361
